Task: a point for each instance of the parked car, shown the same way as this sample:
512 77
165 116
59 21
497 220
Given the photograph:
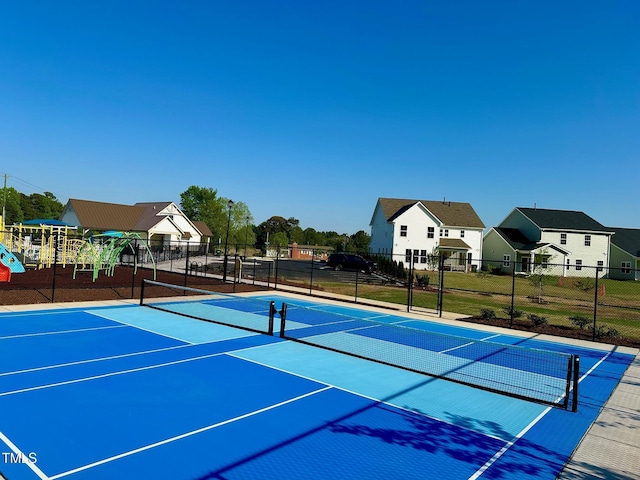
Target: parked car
348 261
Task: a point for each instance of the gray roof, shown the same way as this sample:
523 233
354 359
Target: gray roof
563 220
453 214
628 239
516 239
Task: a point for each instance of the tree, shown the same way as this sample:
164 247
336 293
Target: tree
360 241
203 205
540 270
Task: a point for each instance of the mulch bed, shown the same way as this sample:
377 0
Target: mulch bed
42 286
556 330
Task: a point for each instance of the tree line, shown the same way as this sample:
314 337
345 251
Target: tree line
233 222
19 207
230 222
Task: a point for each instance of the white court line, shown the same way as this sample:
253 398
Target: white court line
17 451
92 360
361 395
58 332
509 444
187 434
110 374
171 315
473 342
122 322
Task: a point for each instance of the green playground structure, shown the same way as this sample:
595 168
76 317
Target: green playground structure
103 251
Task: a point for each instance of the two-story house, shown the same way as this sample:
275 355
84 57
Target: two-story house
412 231
568 243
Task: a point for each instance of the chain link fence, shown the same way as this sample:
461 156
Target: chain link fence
582 303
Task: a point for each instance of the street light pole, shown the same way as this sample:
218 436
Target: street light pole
226 243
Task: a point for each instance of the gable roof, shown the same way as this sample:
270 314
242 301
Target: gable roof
627 239
563 220
520 243
106 216
149 217
203 228
140 217
453 214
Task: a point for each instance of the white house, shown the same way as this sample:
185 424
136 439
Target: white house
160 223
411 231
568 243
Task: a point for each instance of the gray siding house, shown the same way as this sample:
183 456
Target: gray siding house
625 254
568 243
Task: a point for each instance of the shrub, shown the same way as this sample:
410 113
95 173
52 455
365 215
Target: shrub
422 280
487 314
579 321
537 320
586 284
512 312
604 332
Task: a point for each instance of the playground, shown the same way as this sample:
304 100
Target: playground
39 244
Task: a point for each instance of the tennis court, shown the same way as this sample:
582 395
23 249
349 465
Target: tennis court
127 391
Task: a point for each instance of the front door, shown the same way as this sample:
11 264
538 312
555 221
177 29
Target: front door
525 264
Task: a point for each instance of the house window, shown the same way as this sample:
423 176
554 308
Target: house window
568 264
625 267
600 266
423 256
416 258
444 232
563 239
431 232
407 255
587 240
403 230
506 260
461 233
578 264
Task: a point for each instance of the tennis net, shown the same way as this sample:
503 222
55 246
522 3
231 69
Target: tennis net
247 313
542 376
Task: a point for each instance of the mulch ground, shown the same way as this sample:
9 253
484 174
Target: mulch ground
556 330
47 286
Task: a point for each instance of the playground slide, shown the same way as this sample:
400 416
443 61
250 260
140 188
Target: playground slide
8 262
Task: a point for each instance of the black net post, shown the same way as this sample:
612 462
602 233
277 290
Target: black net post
272 312
283 319
576 382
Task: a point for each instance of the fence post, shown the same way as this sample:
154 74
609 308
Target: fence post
186 265
275 281
356 297
55 262
595 306
410 284
134 268
440 283
313 254
513 292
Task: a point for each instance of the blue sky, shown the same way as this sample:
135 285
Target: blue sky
313 110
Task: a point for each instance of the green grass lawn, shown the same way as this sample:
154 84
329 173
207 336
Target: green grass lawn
556 300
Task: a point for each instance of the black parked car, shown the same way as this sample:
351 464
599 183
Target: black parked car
348 261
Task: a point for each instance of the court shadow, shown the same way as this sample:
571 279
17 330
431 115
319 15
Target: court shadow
360 437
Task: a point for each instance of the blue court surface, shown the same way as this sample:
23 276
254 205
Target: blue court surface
130 392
